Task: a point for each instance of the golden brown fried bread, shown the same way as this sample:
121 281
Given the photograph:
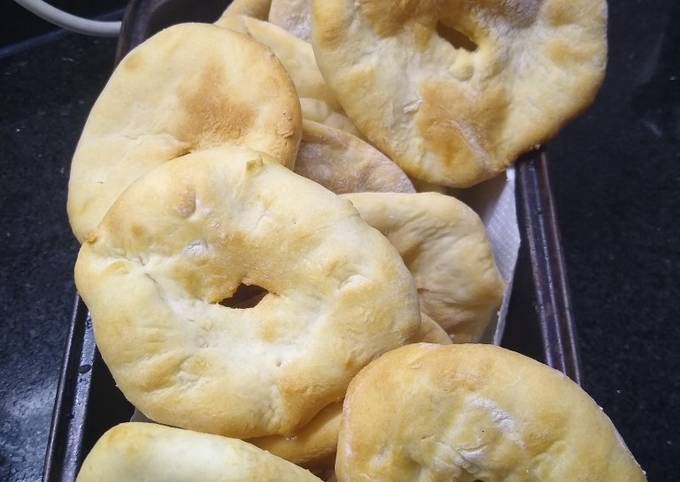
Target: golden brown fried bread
315 444
317 101
145 452
453 91
252 8
164 101
296 55
344 163
295 16
183 239
464 413
443 243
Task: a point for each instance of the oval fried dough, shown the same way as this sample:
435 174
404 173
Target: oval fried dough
443 243
185 237
164 101
344 163
453 91
145 452
464 413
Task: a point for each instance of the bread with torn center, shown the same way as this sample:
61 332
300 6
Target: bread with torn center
454 91
178 243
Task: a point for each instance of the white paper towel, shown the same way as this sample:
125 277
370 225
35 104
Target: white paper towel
494 201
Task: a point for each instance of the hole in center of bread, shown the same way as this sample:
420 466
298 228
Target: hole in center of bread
245 296
456 38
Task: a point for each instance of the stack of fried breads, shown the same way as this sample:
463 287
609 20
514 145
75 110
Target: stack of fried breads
276 277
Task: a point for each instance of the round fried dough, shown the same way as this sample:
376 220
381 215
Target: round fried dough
183 238
453 91
464 413
295 16
145 452
444 245
344 163
315 444
252 8
165 100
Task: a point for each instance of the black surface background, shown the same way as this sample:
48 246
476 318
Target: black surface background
616 174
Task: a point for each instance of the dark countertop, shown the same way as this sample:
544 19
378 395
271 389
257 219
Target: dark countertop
616 174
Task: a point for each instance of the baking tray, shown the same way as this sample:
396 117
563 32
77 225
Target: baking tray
539 322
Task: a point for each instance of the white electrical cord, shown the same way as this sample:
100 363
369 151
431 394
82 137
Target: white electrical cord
70 22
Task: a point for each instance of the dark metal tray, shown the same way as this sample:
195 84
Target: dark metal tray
539 321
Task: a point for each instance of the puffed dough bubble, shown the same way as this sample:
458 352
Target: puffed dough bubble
464 413
182 239
145 452
444 244
453 91
165 100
